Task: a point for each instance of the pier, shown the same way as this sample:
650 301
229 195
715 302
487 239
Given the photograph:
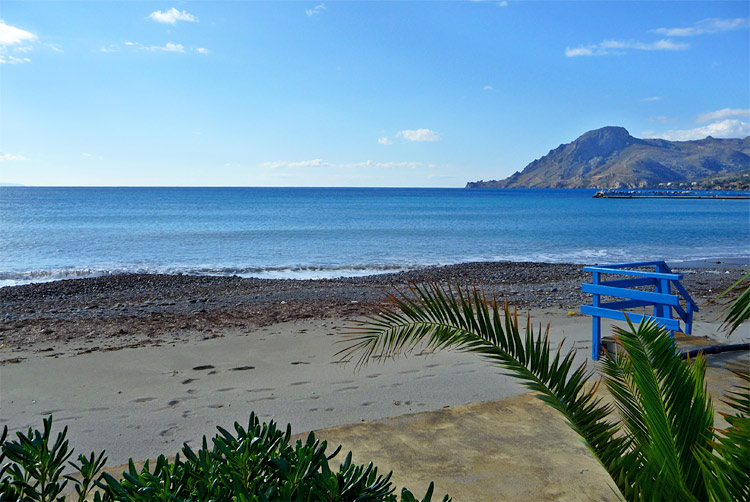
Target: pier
670 194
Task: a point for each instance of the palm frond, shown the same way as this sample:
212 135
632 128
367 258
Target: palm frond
663 446
739 310
726 470
439 318
667 411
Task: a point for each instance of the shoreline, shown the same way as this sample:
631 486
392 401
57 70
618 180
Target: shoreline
130 310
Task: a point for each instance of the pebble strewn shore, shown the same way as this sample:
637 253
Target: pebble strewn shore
112 312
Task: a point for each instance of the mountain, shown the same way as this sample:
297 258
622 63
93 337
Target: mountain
611 158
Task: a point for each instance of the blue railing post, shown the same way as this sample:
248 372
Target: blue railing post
596 327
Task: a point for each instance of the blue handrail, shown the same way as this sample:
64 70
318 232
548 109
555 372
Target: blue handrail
661 298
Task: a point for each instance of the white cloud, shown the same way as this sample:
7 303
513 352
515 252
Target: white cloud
13 60
725 113
384 141
4 157
488 88
705 27
169 47
622 47
10 35
503 3
652 98
721 129
302 163
172 16
418 135
55 48
318 9
87 155
578 51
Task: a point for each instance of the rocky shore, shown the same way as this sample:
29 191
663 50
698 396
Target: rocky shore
112 312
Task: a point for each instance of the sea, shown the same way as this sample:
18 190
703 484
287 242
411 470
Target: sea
302 233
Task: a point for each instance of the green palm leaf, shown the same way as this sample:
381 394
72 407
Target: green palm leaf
739 310
660 447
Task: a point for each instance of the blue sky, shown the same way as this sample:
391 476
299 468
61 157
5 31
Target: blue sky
345 93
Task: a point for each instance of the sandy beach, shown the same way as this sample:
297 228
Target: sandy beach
137 365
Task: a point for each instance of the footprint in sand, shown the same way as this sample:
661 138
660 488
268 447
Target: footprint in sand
225 389
298 383
189 380
204 367
143 399
295 363
348 388
243 368
406 372
173 402
169 431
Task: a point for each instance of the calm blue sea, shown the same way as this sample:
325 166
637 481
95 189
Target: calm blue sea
55 233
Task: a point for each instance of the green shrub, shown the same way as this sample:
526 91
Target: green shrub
256 463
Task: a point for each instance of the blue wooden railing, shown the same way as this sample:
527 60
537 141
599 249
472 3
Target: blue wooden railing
661 298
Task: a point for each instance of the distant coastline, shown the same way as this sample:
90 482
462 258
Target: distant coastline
611 158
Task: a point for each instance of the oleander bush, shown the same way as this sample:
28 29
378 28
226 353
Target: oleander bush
256 463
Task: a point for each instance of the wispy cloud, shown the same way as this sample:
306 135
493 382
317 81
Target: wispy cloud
488 88
315 163
730 128
202 50
384 141
652 98
725 113
6 157
172 16
706 27
5 59
318 9
168 47
608 47
418 135
86 154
